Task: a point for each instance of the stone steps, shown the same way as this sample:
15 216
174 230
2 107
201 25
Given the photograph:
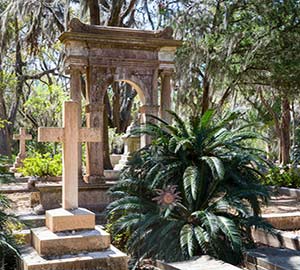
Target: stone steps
283 221
270 258
204 263
110 259
280 239
46 242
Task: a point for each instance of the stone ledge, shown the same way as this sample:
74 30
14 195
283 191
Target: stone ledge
283 221
273 258
58 220
50 244
202 262
111 259
280 239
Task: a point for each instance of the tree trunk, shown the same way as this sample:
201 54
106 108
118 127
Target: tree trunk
285 136
94 12
5 143
116 107
205 96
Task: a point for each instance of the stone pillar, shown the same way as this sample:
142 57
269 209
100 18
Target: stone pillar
165 98
94 151
145 111
96 88
75 95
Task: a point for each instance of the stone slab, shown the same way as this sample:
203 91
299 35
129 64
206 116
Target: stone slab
91 196
110 259
273 258
280 239
34 221
47 243
204 263
291 192
60 219
284 221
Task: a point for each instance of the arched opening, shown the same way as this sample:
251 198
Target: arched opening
123 100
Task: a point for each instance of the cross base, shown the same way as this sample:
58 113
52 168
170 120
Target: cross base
58 220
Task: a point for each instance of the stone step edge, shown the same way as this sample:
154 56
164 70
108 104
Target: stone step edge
249 257
280 239
48 243
111 259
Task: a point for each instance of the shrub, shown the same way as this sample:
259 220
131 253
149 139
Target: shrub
286 176
5 175
42 165
195 190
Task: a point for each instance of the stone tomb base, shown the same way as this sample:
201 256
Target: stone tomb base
71 240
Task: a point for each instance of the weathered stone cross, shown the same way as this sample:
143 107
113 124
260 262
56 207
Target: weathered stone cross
22 137
70 135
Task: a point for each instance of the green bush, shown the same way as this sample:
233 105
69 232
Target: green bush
5 175
286 176
195 190
42 165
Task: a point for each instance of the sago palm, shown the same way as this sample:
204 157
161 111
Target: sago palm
193 191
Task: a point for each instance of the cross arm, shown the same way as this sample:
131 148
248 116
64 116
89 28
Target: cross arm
89 135
50 134
19 137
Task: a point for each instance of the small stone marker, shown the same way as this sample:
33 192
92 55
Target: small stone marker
22 137
70 135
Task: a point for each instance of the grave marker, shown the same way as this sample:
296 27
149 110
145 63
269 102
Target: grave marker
70 135
22 137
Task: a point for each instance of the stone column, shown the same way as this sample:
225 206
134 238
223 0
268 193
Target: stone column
96 87
146 110
75 95
165 98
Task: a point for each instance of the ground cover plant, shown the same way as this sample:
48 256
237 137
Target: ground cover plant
193 191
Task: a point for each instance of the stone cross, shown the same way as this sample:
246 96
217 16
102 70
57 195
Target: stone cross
22 137
70 135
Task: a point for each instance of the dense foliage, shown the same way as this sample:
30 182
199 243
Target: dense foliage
194 191
286 176
42 165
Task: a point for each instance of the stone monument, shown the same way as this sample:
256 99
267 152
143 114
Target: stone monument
104 55
71 240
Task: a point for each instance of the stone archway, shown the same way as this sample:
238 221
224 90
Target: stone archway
108 54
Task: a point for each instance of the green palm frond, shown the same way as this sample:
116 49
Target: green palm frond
214 175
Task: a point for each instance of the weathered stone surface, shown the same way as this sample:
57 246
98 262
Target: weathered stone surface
70 135
273 259
280 239
283 221
60 219
22 137
137 57
111 259
203 263
92 197
47 243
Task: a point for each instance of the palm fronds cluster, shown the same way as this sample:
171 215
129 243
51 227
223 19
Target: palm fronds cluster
193 191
